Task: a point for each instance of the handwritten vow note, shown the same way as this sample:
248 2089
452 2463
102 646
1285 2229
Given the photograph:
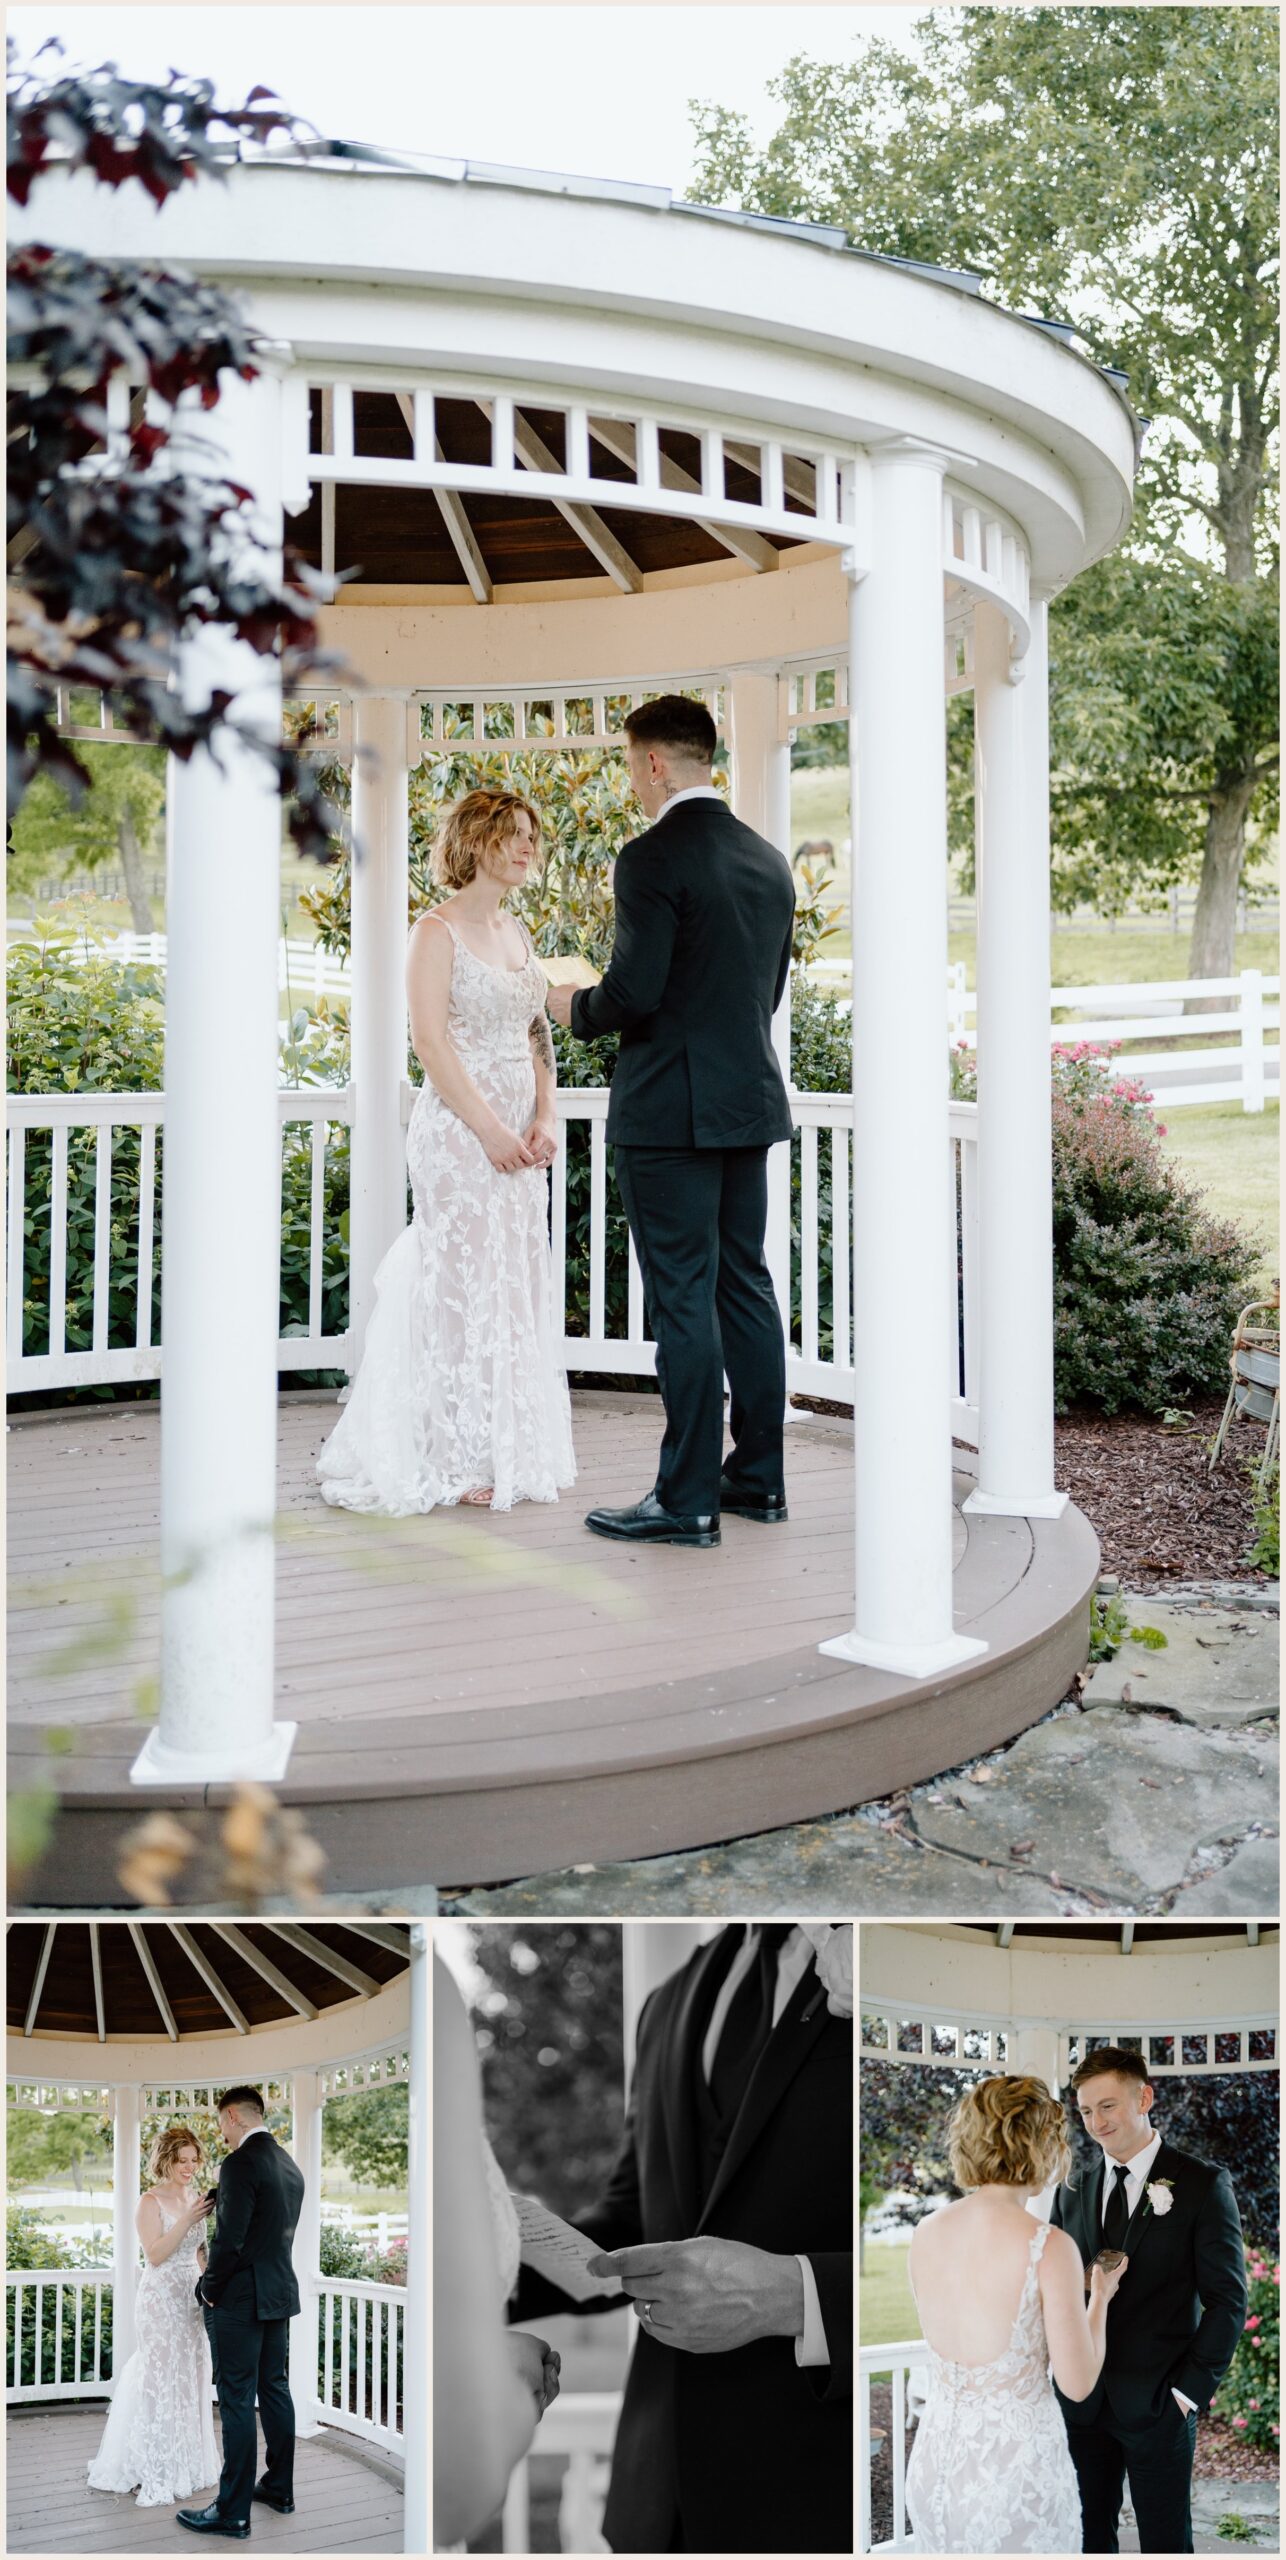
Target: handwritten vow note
558 2252
569 969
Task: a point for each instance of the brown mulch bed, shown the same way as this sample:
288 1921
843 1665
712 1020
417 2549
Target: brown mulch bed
1223 2454
1146 1489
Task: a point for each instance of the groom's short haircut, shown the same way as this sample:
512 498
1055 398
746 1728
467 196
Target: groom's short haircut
675 721
1103 2058
243 2096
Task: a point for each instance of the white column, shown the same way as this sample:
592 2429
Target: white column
415 2353
222 1255
760 759
1035 2050
126 2120
904 1252
377 1210
306 2151
1015 1178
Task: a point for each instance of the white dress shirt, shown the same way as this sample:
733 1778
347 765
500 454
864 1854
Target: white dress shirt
794 1956
694 791
1137 2173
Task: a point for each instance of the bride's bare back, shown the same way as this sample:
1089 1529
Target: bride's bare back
968 2268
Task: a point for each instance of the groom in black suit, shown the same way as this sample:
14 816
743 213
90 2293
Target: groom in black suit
728 2220
704 919
1175 2322
250 2294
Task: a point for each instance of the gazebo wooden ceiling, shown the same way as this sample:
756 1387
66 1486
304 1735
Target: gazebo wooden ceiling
135 1980
421 537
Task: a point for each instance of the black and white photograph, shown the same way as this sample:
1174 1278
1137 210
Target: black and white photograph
216 2236
643 2196
1069 2186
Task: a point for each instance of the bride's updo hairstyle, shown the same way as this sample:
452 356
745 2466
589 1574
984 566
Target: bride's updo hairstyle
1008 2132
172 2139
472 832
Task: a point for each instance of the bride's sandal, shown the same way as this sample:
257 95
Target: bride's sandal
480 1497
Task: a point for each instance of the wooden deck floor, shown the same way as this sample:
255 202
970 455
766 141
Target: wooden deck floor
344 2501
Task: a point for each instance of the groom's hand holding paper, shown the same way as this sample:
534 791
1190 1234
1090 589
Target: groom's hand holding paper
557 2251
707 2296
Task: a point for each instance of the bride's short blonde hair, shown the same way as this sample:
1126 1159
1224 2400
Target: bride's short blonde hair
172 2139
1008 2132
473 830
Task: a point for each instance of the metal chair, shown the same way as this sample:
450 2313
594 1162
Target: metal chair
1255 1391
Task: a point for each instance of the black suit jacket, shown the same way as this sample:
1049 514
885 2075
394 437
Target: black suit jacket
1176 2320
705 910
249 2270
745 2451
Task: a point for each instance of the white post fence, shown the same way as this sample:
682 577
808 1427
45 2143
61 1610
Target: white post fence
900 2369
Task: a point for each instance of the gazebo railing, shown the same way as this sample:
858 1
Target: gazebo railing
360 2342
581 2425
57 2333
901 2368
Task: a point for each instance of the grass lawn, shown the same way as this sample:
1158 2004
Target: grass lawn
1232 1156
886 2311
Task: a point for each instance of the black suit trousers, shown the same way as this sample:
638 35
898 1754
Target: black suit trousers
697 1216
251 2361
1156 2459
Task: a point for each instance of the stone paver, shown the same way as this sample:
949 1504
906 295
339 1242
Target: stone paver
1247 1887
1217 1667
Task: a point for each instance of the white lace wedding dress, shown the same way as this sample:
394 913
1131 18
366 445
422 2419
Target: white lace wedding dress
460 1384
990 2469
159 2436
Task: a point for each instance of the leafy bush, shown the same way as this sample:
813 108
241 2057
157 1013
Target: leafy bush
1250 2392
1267 1549
31 2244
344 2254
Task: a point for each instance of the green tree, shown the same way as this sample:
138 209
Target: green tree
42 2150
369 2132
553 2066
1118 166
114 821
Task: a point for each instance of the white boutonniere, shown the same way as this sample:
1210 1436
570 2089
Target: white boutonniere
1159 2194
832 1945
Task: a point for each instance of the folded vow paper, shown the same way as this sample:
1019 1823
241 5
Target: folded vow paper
569 969
558 2252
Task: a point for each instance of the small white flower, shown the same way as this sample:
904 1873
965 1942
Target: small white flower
833 1947
1159 2195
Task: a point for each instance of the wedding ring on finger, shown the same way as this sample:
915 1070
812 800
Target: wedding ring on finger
645 2312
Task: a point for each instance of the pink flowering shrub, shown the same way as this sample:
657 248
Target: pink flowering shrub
1147 1285
1247 2396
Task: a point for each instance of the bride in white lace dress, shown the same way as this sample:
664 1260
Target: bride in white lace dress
461 1395
159 2436
1001 2298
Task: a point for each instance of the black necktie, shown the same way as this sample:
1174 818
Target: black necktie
748 2024
1116 2213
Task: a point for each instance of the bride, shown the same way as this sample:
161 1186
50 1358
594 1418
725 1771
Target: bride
1001 2298
491 2384
460 1396
159 2436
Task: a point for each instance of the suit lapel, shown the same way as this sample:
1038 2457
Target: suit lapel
1089 2204
697 1993
804 2018
1144 2216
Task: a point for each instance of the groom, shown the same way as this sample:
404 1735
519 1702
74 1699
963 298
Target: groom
249 2294
1173 2326
704 919
728 2220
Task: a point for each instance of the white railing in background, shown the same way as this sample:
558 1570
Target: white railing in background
381 2229
903 2367
1247 1069
360 2338
302 967
581 2425
37 1116
74 2334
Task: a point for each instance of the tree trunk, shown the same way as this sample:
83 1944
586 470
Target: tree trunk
131 854
1214 930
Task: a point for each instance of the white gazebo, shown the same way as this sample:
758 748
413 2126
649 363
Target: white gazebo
583 442
132 2019
1026 1996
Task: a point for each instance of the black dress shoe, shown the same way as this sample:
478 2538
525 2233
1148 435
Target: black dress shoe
209 2520
267 2498
752 1506
649 1524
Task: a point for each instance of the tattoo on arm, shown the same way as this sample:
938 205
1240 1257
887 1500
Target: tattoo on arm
542 1042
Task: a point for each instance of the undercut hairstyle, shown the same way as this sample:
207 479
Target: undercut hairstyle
242 2097
1119 2058
472 832
675 721
1008 2132
170 2141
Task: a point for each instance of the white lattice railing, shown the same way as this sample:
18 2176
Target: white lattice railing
580 2425
911 2037
360 2336
55 2347
882 2449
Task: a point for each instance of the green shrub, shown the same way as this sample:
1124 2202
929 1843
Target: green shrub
345 2254
1250 2391
31 2244
1266 1552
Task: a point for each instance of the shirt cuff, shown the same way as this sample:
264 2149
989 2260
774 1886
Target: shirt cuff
1185 2404
811 2348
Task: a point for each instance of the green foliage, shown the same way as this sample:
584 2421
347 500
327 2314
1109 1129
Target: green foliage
1233 2527
30 2244
1250 2393
368 2131
344 2254
41 2149
52 833
1266 1553
548 2027
1108 1626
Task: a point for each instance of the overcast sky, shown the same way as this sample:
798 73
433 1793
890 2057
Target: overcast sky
599 91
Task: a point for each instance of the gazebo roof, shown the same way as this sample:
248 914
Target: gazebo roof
119 1981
